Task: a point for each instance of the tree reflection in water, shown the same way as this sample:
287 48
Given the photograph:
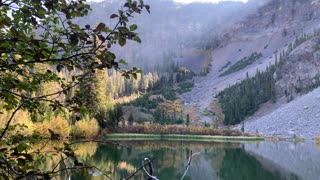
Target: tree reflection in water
226 161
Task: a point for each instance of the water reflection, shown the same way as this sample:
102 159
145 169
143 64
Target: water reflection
226 161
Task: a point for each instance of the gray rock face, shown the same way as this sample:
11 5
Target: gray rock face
299 118
300 70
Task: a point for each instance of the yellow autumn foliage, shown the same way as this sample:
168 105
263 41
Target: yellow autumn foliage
58 125
170 107
85 128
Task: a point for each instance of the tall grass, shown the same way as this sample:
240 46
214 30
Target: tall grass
175 129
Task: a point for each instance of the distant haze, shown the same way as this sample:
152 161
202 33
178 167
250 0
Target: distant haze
171 29
206 1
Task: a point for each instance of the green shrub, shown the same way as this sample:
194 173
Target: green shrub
244 62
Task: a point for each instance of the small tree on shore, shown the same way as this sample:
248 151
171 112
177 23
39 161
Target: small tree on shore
242 127
130 119
188 120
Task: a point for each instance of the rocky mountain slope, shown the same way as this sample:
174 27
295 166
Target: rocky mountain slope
300 70
271 29
299 118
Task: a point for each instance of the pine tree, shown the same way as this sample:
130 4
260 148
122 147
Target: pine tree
93 93
130 119
188 120
44 112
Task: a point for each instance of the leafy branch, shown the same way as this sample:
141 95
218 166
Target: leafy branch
36 33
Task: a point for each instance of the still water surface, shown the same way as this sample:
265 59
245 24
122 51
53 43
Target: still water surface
224 161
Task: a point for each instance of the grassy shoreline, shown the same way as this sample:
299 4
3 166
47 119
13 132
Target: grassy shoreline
180 137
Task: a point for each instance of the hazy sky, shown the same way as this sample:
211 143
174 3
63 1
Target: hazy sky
213 1
190 1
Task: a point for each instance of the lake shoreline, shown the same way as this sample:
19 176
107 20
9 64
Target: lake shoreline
180 137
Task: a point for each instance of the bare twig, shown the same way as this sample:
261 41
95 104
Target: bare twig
4 161
79 167
42 147
141 168
11 118
149 174
62 159
65 166
189 164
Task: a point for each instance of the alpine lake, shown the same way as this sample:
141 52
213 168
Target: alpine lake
260 160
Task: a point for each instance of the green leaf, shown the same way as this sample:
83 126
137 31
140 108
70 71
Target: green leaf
133 27
135 76
122 41
59 67
21 147
114 16
123 62
74 39
139 71
148 8
100 27
137 39
123 30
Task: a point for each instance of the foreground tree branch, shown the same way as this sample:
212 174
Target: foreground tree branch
37 34
10 120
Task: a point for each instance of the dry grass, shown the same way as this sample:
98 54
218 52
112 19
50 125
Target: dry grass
317 138
175 129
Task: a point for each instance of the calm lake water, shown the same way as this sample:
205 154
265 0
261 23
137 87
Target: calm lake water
225 161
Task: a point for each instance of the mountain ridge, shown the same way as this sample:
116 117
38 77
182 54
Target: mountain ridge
268 31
